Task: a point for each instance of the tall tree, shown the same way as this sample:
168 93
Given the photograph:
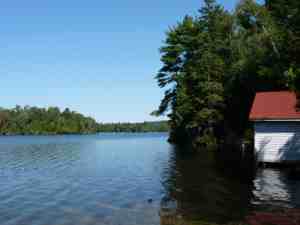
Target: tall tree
287 16
214 63
194 57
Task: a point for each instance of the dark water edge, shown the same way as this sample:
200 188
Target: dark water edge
228 187
209 188
125 179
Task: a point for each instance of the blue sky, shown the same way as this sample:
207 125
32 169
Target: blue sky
95 57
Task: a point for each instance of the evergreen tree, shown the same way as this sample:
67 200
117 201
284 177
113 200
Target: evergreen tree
214 63
194 58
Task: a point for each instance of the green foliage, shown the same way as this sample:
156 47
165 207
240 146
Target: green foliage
287 15
38 121
161 126
195 57
214 63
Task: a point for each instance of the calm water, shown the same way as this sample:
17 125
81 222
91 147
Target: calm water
122 179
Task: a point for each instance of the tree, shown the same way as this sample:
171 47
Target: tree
194 58
287 15
33 120
214 63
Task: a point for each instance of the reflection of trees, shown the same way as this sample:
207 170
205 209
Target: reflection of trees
201 188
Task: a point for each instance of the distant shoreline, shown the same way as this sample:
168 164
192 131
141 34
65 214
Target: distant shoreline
53 121
82 134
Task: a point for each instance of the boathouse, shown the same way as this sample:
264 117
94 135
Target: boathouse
276 118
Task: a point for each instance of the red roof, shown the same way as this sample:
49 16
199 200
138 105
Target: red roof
279 105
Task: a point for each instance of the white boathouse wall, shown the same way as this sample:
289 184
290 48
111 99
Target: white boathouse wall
277 141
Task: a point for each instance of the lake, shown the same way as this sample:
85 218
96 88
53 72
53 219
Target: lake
126 179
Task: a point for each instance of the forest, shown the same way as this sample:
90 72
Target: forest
216 61
160 126
38 121
47 121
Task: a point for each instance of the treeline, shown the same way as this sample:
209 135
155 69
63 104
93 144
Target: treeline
38 121
215 62
161 126
46 121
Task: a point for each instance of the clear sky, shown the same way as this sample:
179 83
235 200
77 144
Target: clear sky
96 57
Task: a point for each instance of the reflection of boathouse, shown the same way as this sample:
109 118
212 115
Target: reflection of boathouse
277 126
273 187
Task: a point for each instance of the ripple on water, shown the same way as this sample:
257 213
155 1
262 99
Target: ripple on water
108 179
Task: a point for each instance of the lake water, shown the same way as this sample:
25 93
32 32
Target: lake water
126 179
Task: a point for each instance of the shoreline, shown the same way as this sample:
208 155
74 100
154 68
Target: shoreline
79 134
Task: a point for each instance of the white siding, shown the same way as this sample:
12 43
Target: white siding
277 141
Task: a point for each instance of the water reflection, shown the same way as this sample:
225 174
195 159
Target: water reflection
126 179
212 189
274 187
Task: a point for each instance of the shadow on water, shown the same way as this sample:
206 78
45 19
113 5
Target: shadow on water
132 179
217 188
205 188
